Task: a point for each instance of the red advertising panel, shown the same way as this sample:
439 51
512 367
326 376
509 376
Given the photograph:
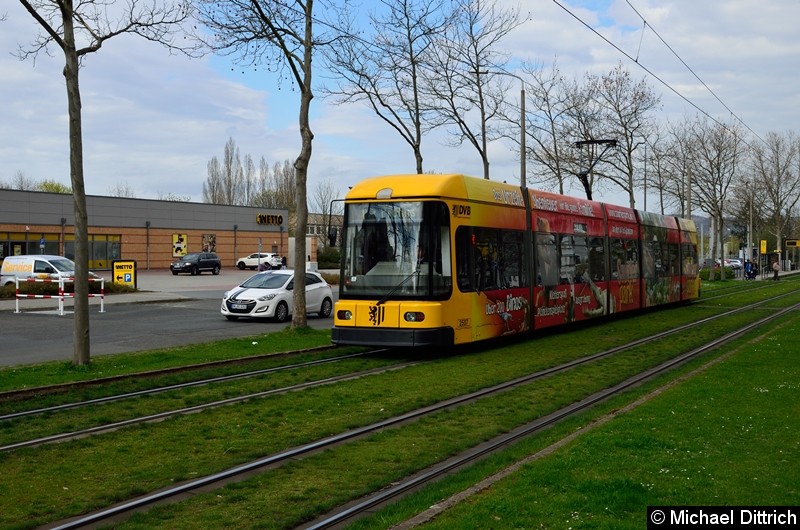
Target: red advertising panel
569 259
625 250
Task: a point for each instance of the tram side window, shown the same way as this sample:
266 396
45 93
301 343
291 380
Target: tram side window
660 259
652 259
546 258
580 253
488 258
689 255
674 259
513 271
566 260
597 259
624 259
465 264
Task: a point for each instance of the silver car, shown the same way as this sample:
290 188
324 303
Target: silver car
268 294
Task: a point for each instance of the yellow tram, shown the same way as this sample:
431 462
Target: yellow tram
437 260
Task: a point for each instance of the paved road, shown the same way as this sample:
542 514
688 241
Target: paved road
168 311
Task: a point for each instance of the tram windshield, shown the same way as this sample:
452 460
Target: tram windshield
397 250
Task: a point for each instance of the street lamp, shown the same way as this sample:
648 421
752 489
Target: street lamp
522 168
749 224
522 165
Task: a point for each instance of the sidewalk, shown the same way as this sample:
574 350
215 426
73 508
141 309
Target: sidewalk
153 286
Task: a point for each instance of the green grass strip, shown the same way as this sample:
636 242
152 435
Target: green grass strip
58 372
728 436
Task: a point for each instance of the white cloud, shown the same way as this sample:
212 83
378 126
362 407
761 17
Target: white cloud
153 120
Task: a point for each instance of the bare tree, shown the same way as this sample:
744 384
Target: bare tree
78 30
386 73
275 188
271 32
122 189
549 125
676 165
585 121
235 183
171 197
626 106
262 194
776 172
248 188
232 172
323 196
213 189
20 181
284 183
717 156
663 173
468 89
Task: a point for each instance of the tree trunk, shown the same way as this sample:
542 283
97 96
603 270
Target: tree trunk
301 174
81 352
712 234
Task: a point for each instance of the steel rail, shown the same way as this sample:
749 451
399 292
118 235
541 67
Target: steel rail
327 442
62 387
178 386
397 489
196 408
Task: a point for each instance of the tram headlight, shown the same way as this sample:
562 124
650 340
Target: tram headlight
344 314
414 316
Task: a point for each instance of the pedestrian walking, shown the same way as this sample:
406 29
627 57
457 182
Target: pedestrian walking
776 266
749 273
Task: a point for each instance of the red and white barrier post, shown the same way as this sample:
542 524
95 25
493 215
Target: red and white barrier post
61 293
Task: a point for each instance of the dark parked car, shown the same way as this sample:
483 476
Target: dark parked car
197 262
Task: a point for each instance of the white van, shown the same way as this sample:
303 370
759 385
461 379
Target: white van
36 266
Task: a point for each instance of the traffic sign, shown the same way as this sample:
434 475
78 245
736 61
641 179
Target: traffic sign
124 272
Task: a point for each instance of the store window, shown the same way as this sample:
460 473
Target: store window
103 249
22 243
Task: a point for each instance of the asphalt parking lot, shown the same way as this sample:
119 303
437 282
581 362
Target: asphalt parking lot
166 311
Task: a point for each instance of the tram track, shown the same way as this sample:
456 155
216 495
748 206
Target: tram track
111 426
18 395
198 408
181 386
15 395
233 474
392 492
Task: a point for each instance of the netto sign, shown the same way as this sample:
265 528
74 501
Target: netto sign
264 219
124 272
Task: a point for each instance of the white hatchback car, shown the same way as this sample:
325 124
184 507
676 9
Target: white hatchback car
253 261
268 294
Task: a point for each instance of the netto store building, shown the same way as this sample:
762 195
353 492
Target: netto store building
154 233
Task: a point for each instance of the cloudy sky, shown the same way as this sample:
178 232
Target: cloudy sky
152 121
